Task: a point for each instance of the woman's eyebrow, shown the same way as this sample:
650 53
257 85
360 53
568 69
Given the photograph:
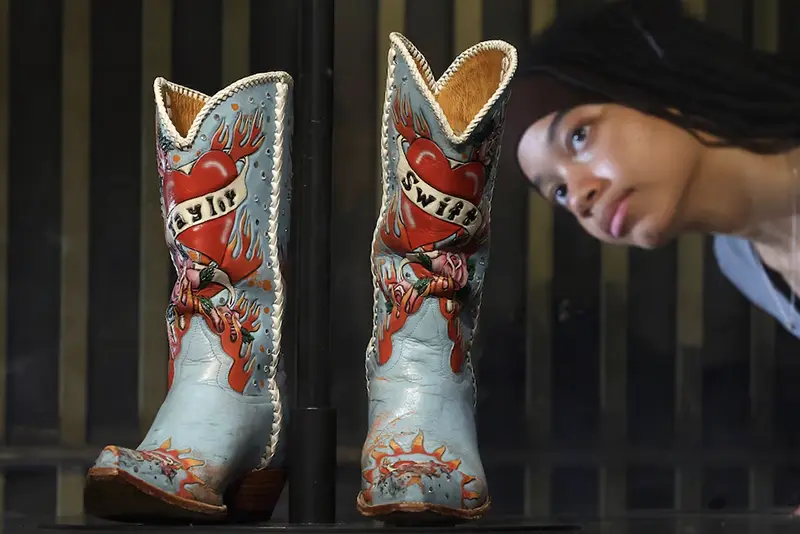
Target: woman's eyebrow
552 128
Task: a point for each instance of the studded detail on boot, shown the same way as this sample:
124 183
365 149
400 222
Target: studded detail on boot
440 144
216 446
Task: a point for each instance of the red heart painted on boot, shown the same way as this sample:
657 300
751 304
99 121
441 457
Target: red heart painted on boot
213 170
465 181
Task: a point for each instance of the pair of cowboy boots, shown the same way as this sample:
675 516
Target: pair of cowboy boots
217 448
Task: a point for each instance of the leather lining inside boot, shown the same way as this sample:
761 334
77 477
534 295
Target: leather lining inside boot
470 87
182 109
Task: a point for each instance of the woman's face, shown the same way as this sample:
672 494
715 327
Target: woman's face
622 173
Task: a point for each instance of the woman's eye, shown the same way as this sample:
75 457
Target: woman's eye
578 138
560 195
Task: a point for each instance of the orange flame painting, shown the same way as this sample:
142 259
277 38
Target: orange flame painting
171 463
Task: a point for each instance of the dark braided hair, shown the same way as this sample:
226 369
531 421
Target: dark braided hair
669 65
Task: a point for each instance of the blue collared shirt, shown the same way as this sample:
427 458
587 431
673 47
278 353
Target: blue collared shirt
741 264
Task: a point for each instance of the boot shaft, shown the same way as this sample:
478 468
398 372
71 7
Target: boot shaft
440 145
225 166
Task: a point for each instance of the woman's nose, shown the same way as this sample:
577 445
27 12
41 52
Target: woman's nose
584 194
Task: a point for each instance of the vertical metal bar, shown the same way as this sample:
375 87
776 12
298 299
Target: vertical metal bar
762 325
76 139
4 120
539 327
352 223
468 24
34 272
766 30
235 40
391 18
154 276
613 374
313 200
4 171
688 370
313 434
69 492
2 497
75 170
696 8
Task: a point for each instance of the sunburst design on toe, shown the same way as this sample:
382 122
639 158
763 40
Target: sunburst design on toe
398 467
415 478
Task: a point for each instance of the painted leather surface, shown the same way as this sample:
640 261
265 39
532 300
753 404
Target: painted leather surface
225 202
429 256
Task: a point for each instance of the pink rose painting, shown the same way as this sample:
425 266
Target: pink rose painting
451 265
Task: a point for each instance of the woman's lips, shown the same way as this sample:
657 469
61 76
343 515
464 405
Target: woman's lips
618 221
615 215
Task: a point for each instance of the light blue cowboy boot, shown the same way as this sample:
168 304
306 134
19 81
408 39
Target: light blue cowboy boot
216 447
440 144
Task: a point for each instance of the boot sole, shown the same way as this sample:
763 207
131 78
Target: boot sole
417 513
111 493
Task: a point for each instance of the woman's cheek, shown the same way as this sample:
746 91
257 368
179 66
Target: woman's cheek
604 168
584 157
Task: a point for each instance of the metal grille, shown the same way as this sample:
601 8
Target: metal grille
610 380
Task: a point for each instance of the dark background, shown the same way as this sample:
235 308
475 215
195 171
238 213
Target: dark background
610 380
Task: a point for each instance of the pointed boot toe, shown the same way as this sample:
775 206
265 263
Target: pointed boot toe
422 479
158 484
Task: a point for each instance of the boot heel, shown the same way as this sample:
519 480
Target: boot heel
253 498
